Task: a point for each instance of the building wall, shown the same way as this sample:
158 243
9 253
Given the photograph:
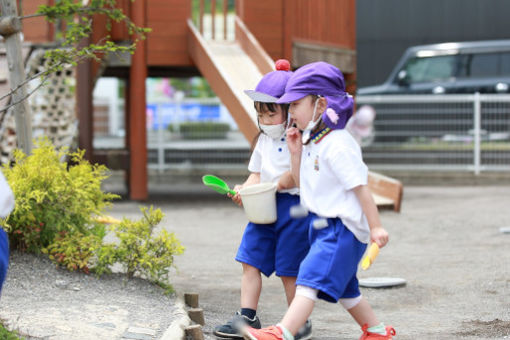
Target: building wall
35 30
167 44
327 25
386 28
264 18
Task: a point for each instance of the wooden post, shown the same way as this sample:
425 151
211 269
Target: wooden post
201 17
194 332
225 12
191 300
137 112
22 113
84 106
197 315
213 21
289 10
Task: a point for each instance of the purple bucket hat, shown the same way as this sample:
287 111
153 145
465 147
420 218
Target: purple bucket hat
272 85
321 78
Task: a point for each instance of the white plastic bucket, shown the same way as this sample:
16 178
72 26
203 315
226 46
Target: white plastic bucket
259 202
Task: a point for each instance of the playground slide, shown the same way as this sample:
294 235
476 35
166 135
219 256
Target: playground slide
230 70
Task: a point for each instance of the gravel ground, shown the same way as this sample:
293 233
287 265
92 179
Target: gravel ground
446 243
44 302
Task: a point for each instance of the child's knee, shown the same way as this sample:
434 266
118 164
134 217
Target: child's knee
350 302
307 292
250 270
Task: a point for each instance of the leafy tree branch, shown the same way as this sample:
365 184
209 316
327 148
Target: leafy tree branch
75 21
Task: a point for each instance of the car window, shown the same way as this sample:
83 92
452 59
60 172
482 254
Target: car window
489 65
427 69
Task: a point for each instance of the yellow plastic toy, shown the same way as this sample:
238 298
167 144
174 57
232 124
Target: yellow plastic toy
107 220
369 258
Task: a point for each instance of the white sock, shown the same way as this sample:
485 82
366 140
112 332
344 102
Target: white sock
379 329
287 335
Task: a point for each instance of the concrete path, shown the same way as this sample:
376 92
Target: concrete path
446 243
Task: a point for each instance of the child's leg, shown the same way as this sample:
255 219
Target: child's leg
295 317
299 311
364 314
251 286
289 284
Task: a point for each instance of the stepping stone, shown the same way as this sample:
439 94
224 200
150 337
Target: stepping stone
138 333
505 230
382 282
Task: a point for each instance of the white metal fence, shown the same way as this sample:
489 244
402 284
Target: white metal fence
191 134
439 132
411 132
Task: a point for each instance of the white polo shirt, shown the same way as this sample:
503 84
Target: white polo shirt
329 170
6 197
271 158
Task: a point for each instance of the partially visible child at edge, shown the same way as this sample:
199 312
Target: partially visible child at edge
328 167
278 247
6 206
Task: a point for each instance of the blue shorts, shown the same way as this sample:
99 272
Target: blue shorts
332 262
278 246
4 256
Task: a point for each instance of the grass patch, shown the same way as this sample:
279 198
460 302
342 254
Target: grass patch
6 334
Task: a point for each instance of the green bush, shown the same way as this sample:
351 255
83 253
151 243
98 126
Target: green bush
5 334
53 196
138 250
204 130
74 250
57 204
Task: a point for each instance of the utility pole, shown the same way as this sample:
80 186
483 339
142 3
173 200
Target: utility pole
10 27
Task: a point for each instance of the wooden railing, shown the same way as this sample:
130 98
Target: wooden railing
213 17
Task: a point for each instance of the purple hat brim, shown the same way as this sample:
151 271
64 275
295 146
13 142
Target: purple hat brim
260 96
291 97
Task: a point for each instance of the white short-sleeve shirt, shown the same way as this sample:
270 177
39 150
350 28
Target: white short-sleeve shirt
271 158
329 170
6 197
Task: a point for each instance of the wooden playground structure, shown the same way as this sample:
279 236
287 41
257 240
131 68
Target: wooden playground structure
301 31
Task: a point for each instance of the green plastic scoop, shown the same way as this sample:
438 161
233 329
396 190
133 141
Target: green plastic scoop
217 184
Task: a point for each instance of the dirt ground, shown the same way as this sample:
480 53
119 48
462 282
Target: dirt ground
446 243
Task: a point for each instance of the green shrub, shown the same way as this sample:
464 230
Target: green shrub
5 334
138 250
73 250
204 130
52 196
56 208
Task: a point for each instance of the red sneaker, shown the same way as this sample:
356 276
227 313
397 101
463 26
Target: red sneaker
268 333
390 331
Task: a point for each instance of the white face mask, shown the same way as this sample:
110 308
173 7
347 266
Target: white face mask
311 124
273 131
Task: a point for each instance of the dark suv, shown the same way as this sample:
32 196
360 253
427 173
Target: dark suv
461 67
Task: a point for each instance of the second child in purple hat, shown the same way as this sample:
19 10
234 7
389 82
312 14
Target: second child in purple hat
328 167
277 247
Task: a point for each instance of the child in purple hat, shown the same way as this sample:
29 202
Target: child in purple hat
277 247
328 167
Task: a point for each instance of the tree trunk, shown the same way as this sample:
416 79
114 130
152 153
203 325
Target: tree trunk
16 77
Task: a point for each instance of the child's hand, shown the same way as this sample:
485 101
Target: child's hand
379 235
236 198
294 140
